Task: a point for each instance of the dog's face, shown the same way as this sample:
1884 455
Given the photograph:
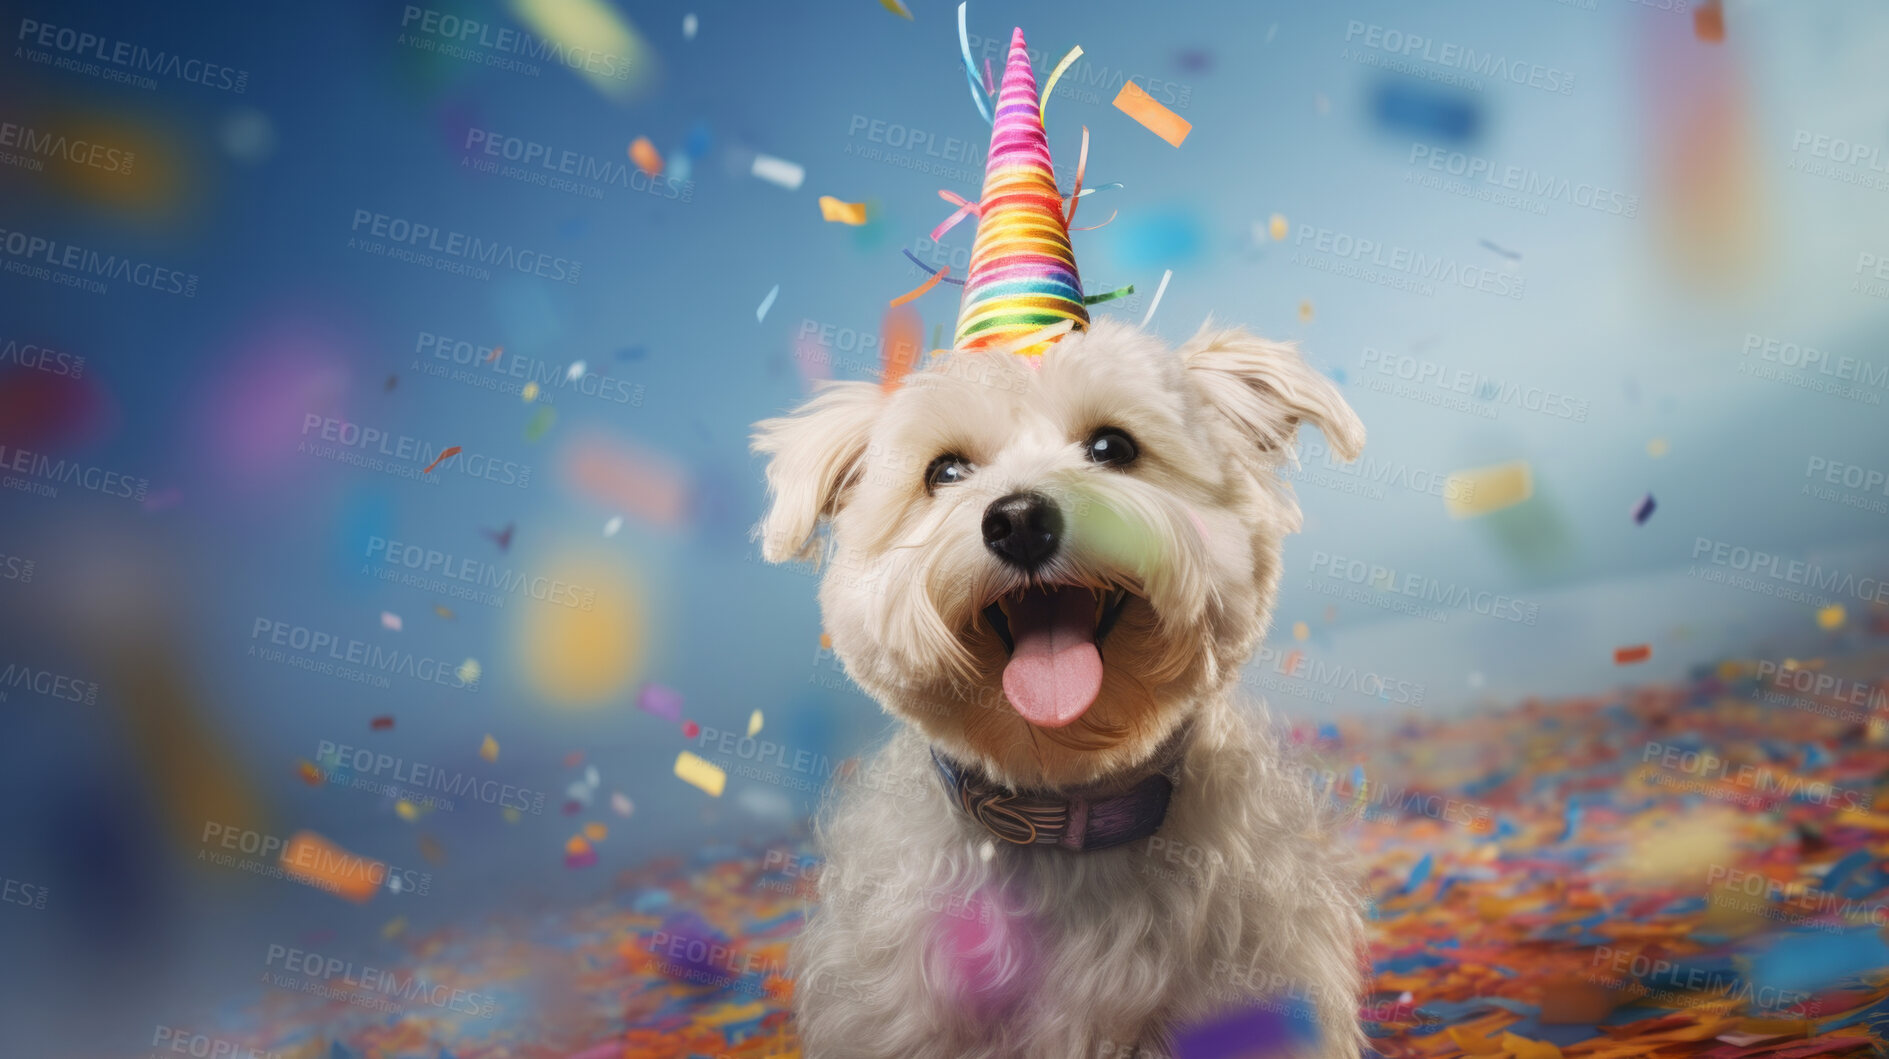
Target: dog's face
1048 568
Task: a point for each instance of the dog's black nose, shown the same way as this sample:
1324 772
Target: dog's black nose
1023 529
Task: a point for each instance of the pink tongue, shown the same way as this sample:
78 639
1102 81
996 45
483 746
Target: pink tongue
1055 672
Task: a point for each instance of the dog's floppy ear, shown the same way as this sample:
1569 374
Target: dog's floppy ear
813 456
1266 388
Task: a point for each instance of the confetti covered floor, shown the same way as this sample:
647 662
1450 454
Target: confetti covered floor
1681 870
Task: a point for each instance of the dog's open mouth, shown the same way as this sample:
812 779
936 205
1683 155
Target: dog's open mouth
1054 635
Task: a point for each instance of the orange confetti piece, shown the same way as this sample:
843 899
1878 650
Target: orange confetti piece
312 859
1708 22
901 336
1626 656
897 8
646 157
496 350
489 749
450 452
596 832
310 774
826 642
576 847
922 289
832 209
1154 117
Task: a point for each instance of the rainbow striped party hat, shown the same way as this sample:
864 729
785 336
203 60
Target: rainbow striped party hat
1023 273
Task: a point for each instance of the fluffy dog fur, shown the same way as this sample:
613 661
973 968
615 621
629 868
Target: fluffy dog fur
931 939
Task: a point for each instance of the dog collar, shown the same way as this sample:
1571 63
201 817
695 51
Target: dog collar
1074 821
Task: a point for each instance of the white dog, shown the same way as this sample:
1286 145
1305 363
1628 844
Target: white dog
1052 574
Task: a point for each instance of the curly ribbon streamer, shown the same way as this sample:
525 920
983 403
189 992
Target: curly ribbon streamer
1050 86
970 68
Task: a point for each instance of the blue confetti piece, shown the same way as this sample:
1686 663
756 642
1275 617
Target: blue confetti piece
1420 874
1405 108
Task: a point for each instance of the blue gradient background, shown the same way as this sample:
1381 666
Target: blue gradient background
137 931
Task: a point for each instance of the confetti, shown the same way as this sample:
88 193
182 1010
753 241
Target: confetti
897 8
1708 22
392 381
578 853
502 538
450 452
1277 227
1510 254
390 621
767 303
1657 448
396 926
689 25
529 392
660 701
1158 292
611 527
406 810
591 777
432 850
313 860
901 340
576 370
690 729
1154 117
381 724
541 422
1627 656
832 209
778 171
1305 312
489 749
754 724
468 671
646 157
621 803
309 773
1483 490
1402 109
511 815
699 773
826 642
497 351
1301 631
444 611
1831 618
596 832
1643 510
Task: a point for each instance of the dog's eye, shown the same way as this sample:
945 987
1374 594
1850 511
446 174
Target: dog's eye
1112 447
948 469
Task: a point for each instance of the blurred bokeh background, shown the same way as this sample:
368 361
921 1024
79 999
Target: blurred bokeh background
1608 282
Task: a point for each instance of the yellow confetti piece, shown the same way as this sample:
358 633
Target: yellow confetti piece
1277 228
832 209
511 815
394 927
1154 117
646 157
754 723
596 832
1305 312
704 774
826 642
1523 1048
1831 617
468 671
1482 490
1301 632
489 749
530 392
1657 448
406 810
444 612
897 8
